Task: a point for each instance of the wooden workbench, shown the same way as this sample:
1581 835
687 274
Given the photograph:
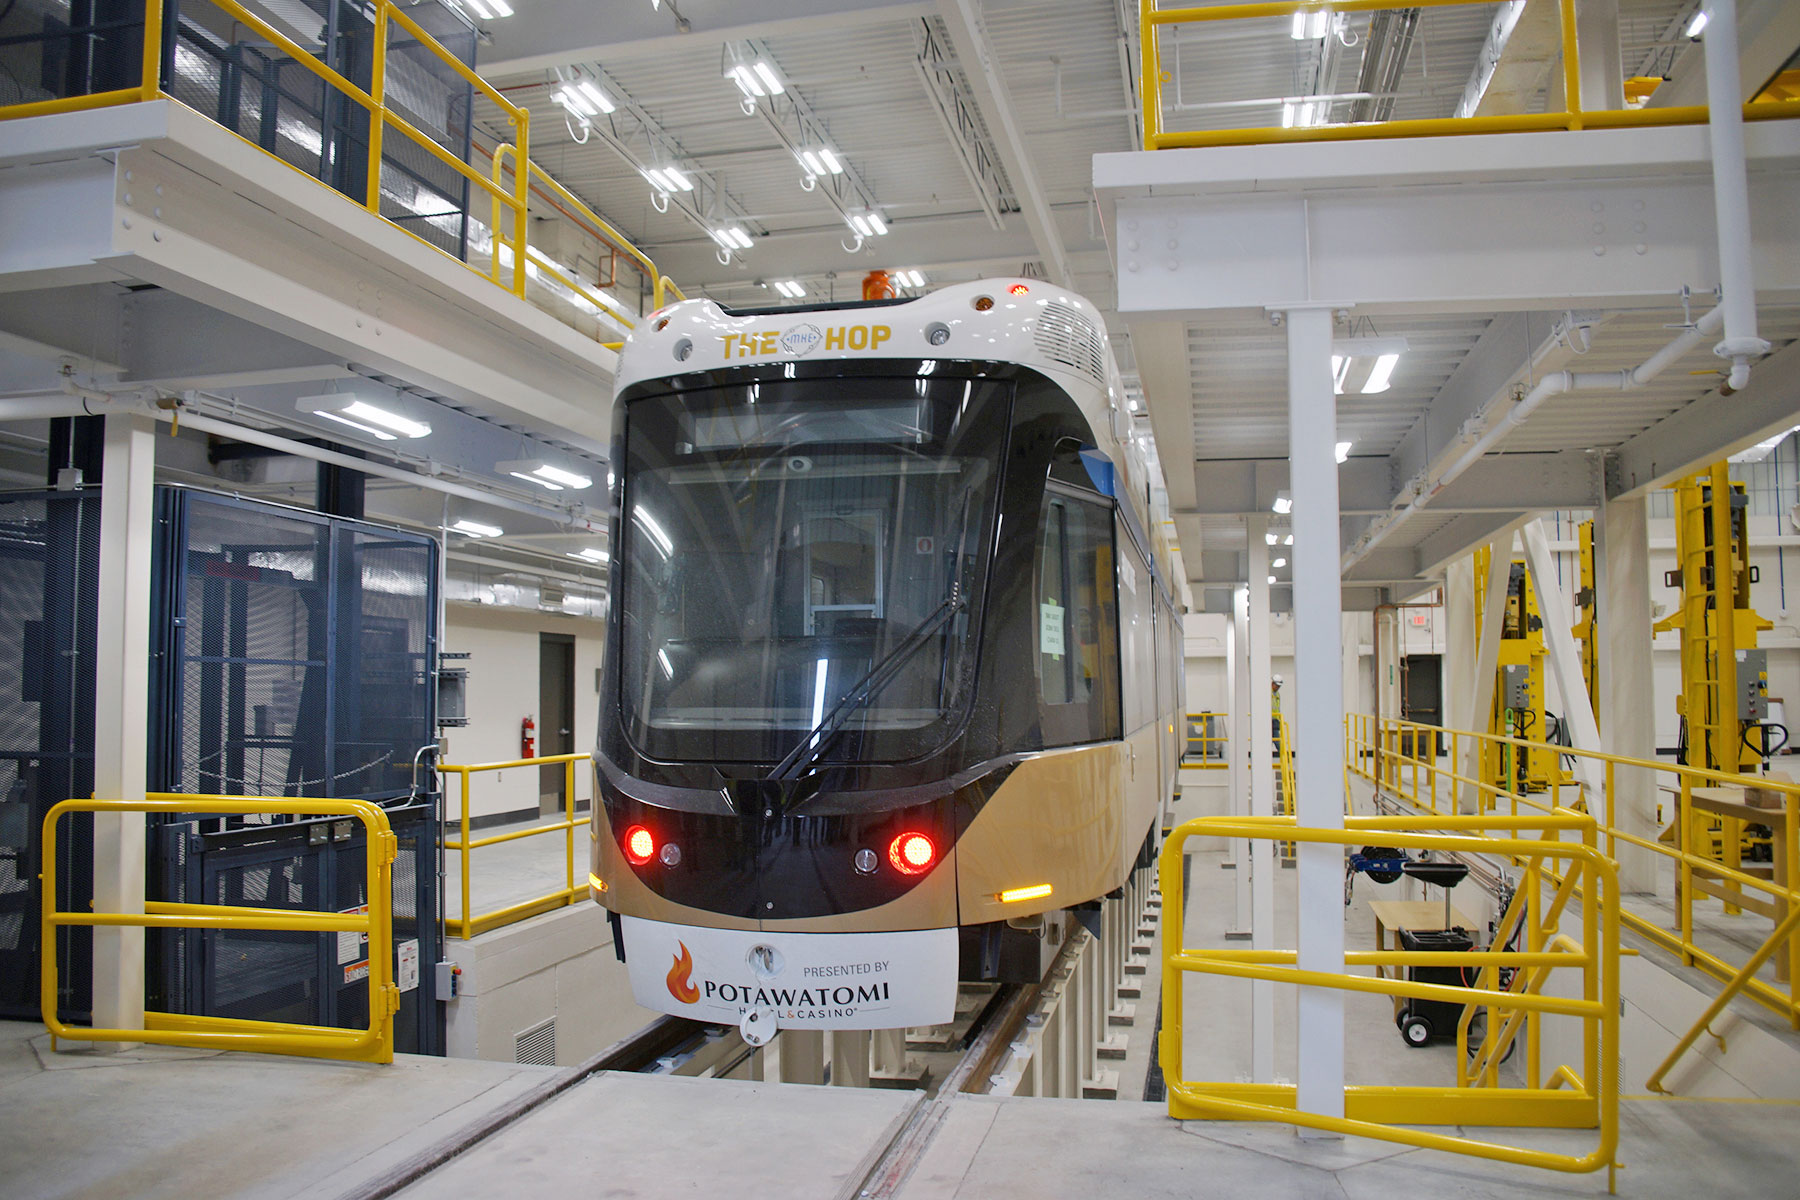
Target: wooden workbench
1704 803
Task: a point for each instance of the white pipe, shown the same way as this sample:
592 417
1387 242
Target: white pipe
35 408
1556 383
1731 191
272 441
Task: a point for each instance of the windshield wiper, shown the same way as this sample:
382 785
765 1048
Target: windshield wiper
811 747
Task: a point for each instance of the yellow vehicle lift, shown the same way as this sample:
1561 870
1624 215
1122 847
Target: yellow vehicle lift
1518 708
1587 630
1724 675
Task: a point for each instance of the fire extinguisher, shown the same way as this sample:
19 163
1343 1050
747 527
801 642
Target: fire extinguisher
528 739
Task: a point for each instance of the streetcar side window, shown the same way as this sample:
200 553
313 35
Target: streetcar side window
1076 622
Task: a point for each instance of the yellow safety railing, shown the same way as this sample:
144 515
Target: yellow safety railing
470 925
1391 754
1284 767
510 200
1206 743
1563 1098
372 1044
1573 116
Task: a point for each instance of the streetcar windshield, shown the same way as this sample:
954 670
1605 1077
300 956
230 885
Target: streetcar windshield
781 541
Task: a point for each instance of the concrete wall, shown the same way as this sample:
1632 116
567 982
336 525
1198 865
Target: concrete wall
558 965
503 690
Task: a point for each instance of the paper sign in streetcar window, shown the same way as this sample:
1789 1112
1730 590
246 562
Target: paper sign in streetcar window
1050 629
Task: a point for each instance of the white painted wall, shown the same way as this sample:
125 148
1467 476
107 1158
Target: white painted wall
503 690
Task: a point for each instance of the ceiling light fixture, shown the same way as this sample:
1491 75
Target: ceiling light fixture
476 529
910 278
545 475
789 288
1698 24
1283 505
1365 364
732 237
1381 374
1280 562
1271 538
756 79
1288 540
1310 26
820 160
1343 450
592 554
487 10
347 408
668 179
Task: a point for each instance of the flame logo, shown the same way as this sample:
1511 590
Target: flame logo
679 982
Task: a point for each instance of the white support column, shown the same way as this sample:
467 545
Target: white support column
1318 706
1459 643
1565 660
121 714
1627 676
850 1058
1237 677
1387 634
1262 801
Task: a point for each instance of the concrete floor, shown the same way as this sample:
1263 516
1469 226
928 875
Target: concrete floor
169 1124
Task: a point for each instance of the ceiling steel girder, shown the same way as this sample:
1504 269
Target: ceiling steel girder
969 37
955 112
1366 487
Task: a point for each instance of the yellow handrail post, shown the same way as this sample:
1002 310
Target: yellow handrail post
1150 69
1788 927
521 199
1791 877
467 912
1685 839
378 116
569 805
1571 64
150 86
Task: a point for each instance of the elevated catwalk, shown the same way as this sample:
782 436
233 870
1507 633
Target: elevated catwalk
158 1123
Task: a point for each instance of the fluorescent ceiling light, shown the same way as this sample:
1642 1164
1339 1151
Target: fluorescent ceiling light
477 529
755 80
1380 374
1698 24
810 160
575 102
593 554
876 223
1283 505
734 237
587 88
1271 538
1271 579
675 177
831 160
668 179
861 224
501 8
1310 26
544 474
1288 540
1280 562
479 8
789 288
1343 450
347 408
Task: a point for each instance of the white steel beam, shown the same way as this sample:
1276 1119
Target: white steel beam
1262 803
1238 725
1318 703
1600 218
122 714
1627 677
1714 427
968 35
1487 659
1565 660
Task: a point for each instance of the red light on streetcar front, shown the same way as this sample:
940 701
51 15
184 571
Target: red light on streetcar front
911 853
640 847
1018 289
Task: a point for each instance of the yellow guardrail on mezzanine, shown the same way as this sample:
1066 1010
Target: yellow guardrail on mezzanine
1563 1098
1392 755
1151 19
470 925
372 1044
510 226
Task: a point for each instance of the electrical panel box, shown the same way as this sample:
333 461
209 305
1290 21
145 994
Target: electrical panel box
1517 678
1753 685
